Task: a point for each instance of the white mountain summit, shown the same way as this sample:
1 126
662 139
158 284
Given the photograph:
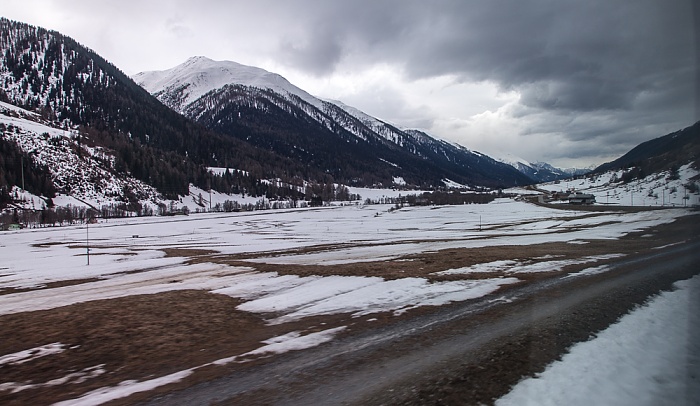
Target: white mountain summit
199 75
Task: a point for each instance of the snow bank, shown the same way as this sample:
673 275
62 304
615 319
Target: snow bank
649 357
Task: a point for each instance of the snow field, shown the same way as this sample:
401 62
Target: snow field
127 255
651 356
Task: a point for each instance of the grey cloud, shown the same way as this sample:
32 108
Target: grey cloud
587 55
599 76
606 73
318 57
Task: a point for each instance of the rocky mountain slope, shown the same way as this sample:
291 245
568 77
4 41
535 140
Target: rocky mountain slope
265 109
66 161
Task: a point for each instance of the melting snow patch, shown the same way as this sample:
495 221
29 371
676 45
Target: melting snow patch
124 389
293 341
33 353
552 266
366 295
75 377
590 271
514 266
494 266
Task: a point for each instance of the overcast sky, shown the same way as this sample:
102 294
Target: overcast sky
573 83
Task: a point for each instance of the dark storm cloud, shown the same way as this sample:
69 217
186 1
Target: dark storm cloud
630 65
610 74
565 55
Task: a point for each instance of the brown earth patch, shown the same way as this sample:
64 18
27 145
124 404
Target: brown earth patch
48 285
187 252
135 337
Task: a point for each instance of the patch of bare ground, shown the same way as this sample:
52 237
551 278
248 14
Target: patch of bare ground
48 285
187 252
135 337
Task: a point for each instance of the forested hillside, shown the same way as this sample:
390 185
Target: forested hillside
44 71
669 152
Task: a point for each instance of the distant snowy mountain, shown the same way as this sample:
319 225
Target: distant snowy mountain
540 171
265 109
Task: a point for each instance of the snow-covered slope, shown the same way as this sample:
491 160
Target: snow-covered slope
658 189
199 75
77 169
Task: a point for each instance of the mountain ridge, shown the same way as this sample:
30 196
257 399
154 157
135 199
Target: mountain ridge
198 89
662 153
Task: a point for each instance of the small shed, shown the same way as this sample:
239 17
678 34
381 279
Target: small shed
581 198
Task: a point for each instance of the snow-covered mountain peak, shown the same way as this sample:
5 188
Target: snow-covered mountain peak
227 97
199 75
512 160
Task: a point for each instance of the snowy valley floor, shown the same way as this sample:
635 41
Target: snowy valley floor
169 302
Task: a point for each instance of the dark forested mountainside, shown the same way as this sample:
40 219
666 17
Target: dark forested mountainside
44 71
271 122
330 136
668 152
14 170
331 140
481 169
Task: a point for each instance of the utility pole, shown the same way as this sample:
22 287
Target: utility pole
87 238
